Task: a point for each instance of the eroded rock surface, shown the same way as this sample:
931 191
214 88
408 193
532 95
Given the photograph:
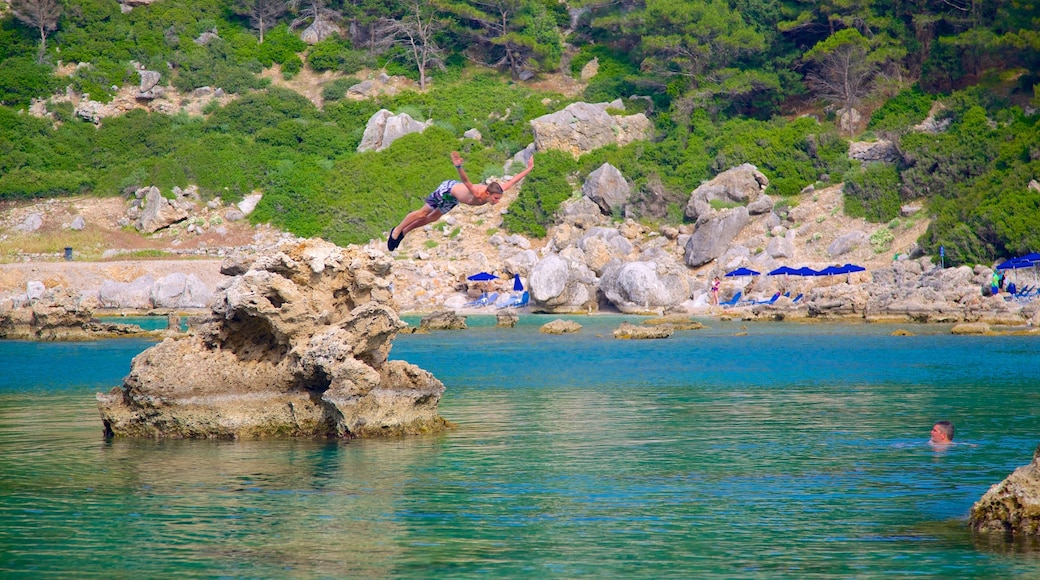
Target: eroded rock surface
1013 505
296 345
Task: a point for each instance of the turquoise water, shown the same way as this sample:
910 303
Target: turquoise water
791 452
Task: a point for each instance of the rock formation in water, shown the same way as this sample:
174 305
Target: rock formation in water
296 345
1013 505
56 315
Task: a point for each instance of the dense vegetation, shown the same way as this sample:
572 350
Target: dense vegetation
722 80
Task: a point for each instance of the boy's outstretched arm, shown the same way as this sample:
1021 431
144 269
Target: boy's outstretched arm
457 160
516 178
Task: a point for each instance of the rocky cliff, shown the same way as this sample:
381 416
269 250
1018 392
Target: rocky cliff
296 345
1013 505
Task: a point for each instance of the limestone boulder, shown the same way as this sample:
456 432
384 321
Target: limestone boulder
157 212
384 128
641 287
874 151
563 283
583 127
742 184
713 235
631 331
1011 507
296 344
607 188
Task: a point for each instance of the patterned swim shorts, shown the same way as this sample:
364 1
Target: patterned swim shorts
441 199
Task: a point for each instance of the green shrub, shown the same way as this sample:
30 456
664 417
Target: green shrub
542 192
23 79
337 89
873 192
256 111
902 112
337 55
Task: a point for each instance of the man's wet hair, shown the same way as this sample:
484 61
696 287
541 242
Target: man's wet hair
947 428
494 188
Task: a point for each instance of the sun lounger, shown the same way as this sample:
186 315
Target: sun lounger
770 301
484 300
733 301
517 301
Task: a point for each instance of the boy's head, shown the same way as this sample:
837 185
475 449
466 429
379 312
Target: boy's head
494 192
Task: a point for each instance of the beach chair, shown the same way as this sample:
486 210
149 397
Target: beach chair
796 299
484 300
774 298
518 301
733 301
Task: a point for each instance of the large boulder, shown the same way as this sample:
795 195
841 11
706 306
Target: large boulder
296 345
607 188
583 127
713 235
157 212
641 287
742 184
563 283
1011 507
384 128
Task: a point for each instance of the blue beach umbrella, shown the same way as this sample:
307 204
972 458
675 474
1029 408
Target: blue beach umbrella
742 272
832 271
805 271
850 268
783 271
482 277
517 285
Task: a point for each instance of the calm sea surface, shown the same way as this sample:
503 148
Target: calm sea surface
790 452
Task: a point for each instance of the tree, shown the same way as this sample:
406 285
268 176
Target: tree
513 32
42 15
263 14
416 29
321 19
841 70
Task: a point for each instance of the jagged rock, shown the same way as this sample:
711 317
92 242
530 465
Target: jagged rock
607 188
31 223
590 69
676 321
559 284
136 294
741 184
633 331
157 212
384 128
845 243
713 235
56 315
179 290
297 345
559 326
971 328
319 30
507 319
582 127
443 320
78 224
640 287
874 151
473 134
249 202
149 87
1012 506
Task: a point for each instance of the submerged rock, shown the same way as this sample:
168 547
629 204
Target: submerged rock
296 345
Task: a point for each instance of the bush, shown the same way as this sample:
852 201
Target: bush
873 192
902 112
337 89
256 111
543 190
337 55
23 79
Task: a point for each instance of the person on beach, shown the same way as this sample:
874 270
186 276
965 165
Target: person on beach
451 193
715 284
942 434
